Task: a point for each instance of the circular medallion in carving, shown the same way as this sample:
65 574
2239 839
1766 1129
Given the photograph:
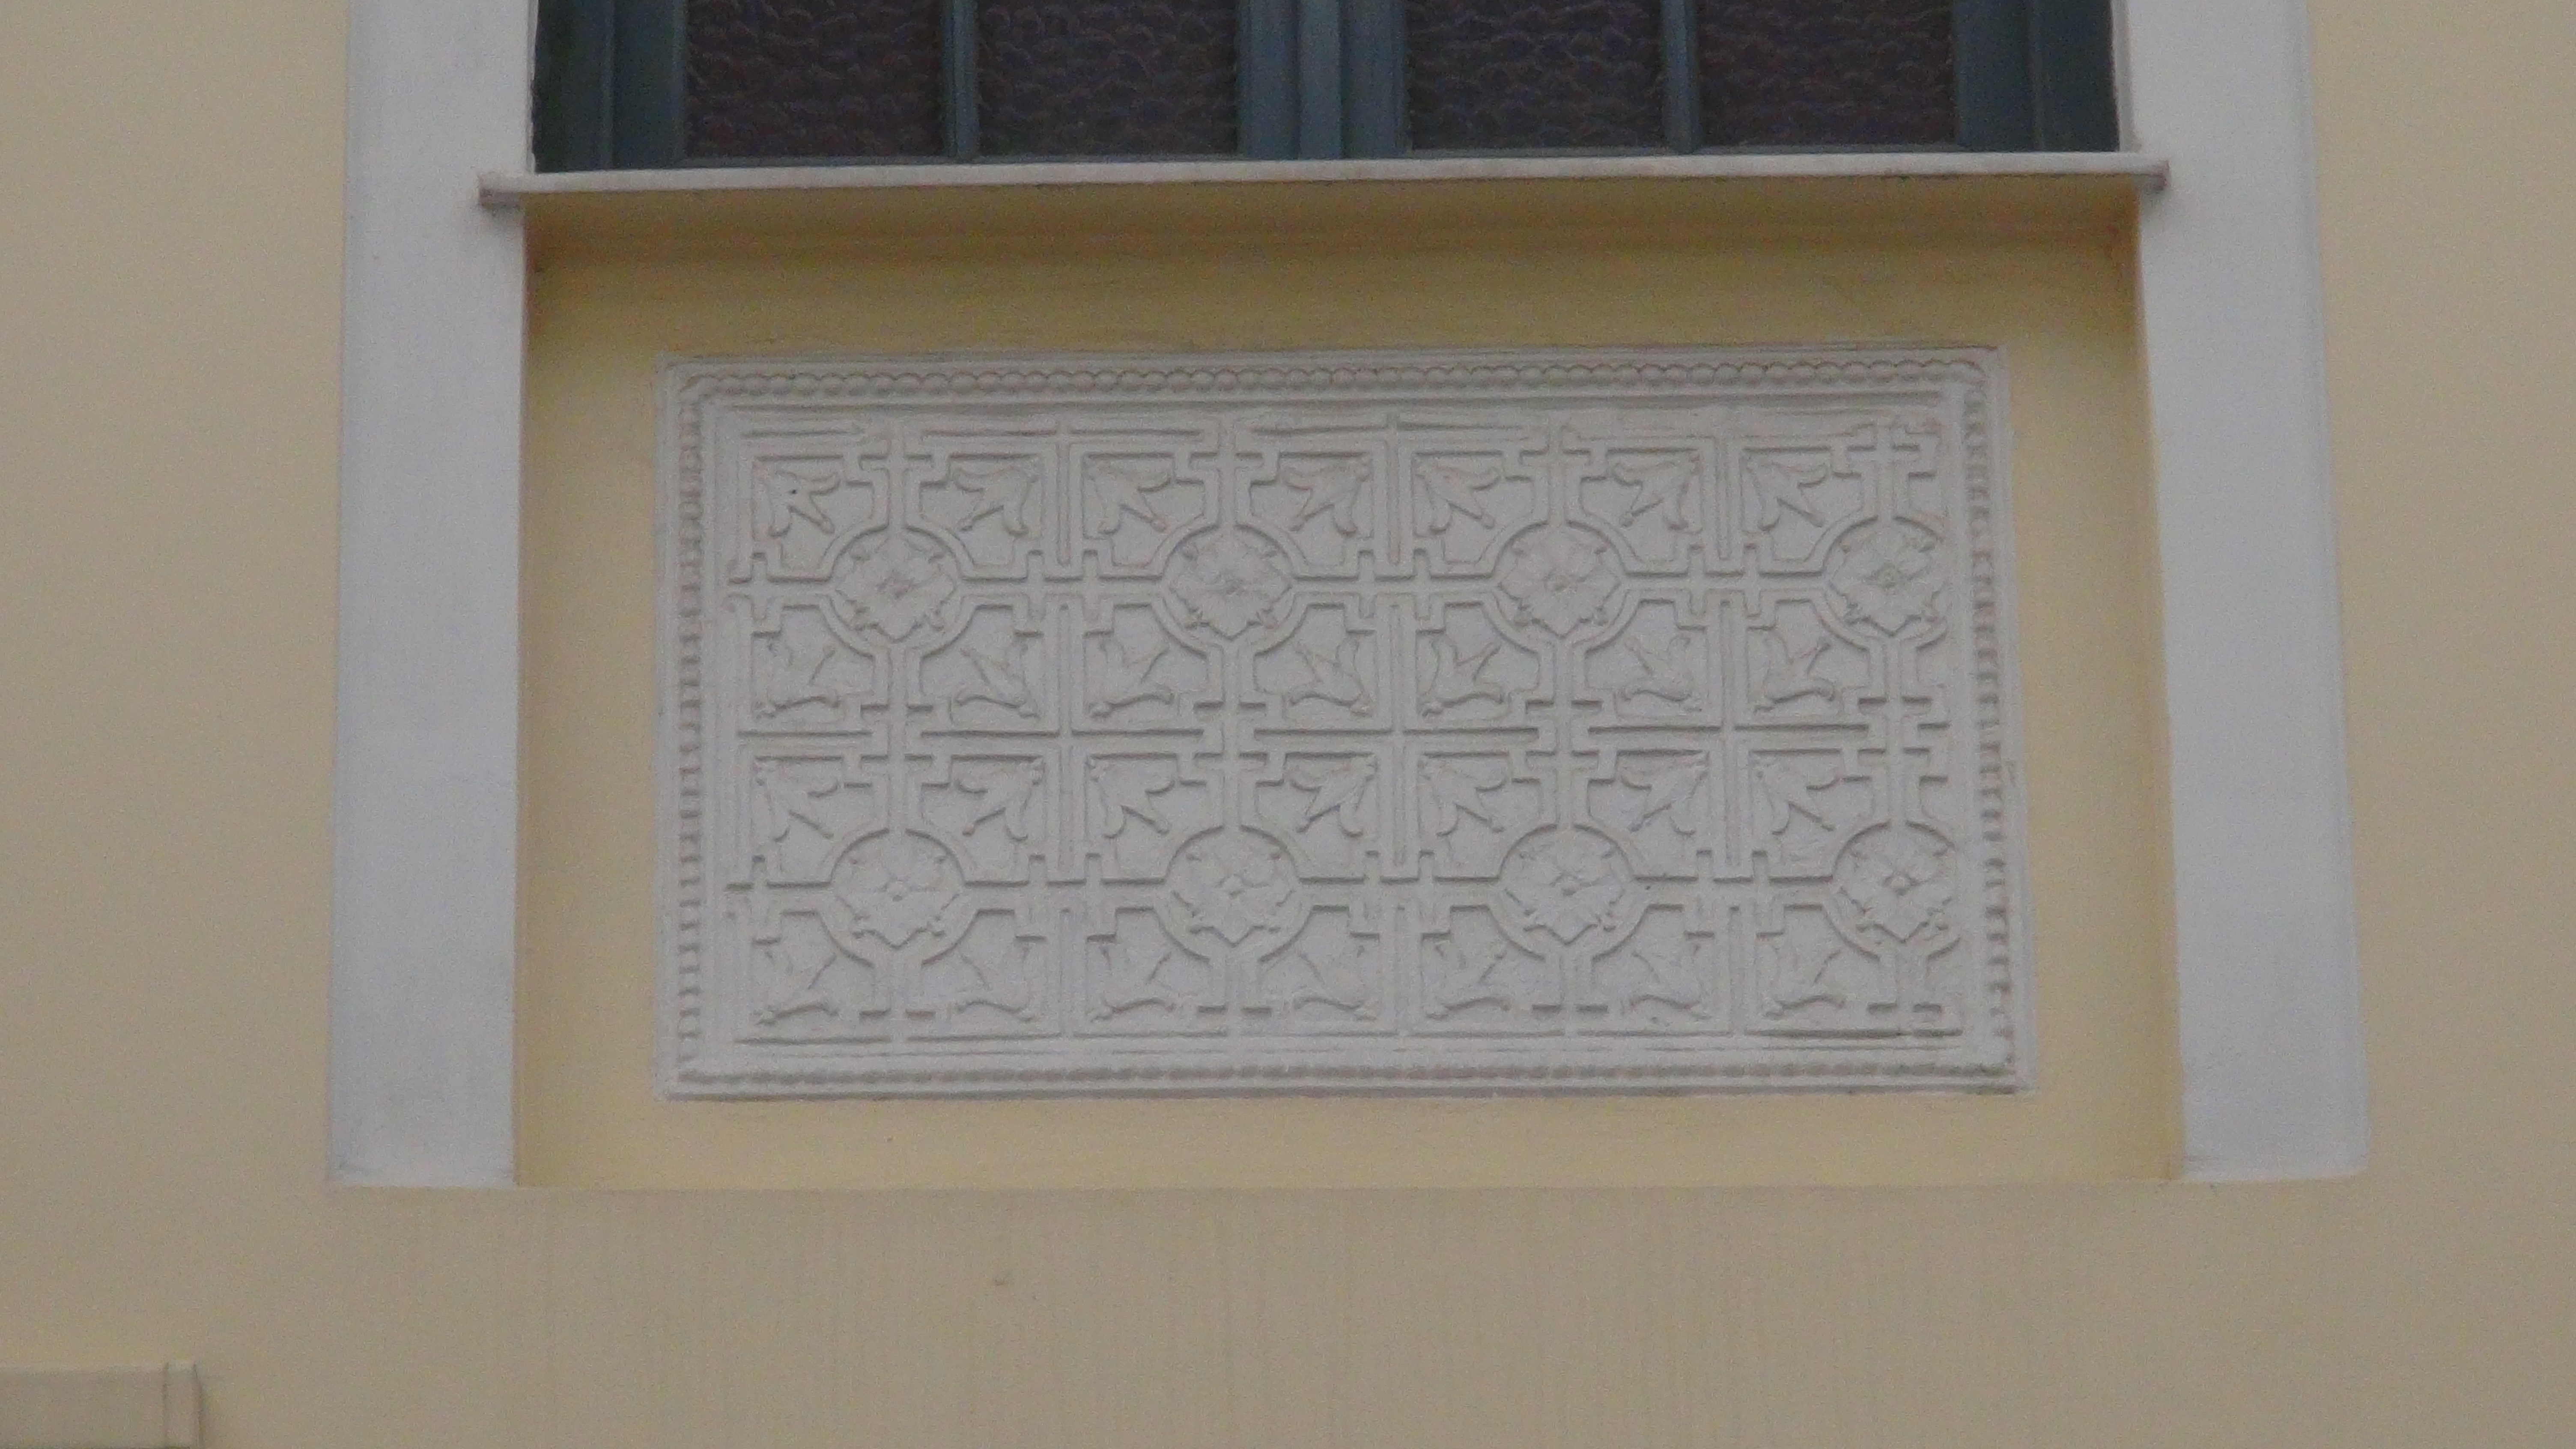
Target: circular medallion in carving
1888 576
895 888
1897 881
1562 578
1229 582
1569 888
1238 887
896 582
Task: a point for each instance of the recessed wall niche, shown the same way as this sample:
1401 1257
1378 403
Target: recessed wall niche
1394 723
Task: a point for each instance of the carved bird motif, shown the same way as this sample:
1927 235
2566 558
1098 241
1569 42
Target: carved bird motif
795 495
1668 973
1449 489
1458 678
1329 486
1788 797
779 804
1783 487
1334 678
1004 981
1783 678
1004 792
793 990
1339 789
783 686
1801 977
1120 486
1125 679
1456 793
995 488
1126 790
1666 672
997 681
1135 979
1326 977
1663 488
1672 791
1466 978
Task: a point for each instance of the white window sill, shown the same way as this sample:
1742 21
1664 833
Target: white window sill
729 211
2148 173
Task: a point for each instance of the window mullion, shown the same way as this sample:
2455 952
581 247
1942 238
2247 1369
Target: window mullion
575 86
1373 78
1990 59
647 116
1266 52
958 109
1681 76
2072 103
1319 79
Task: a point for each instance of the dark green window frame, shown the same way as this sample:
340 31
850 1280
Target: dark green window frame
1318 79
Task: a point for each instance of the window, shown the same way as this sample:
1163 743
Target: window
661 83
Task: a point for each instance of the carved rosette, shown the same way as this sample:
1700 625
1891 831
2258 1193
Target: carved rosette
1562 578
1230 582
1239 888
891 890
1569 887
1888 576
899 584
1896 882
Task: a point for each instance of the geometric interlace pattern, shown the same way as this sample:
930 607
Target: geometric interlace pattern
1408 722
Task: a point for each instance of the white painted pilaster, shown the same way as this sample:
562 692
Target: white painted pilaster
426 800
2234 315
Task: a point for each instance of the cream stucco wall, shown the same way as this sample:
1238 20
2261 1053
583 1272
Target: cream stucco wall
168 358
2058 301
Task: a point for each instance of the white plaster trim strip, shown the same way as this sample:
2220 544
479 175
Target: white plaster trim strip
426 778
2149 172
152 1406
2233 308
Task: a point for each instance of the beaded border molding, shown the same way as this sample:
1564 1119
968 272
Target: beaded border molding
1412 723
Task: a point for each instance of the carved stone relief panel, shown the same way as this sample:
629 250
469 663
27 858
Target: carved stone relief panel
1401 723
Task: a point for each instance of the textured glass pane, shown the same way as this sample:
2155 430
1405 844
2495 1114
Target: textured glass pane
800 78
1826 72
1483 75
1106 77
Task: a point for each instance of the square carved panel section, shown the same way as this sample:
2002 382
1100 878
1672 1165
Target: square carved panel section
1389 722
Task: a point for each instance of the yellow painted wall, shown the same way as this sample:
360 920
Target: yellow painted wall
2060 305
169 229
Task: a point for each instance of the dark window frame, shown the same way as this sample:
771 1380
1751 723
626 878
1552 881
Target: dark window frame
1319 79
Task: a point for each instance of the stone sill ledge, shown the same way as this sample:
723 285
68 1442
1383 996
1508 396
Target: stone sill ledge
737 213
2146 172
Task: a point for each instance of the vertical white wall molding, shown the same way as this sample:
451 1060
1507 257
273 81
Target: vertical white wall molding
2233 311
426 798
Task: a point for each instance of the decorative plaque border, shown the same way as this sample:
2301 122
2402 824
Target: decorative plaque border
1423 722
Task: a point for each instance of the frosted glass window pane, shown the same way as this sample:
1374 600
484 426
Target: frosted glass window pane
1826 72
1107 77
1542 75
813 78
